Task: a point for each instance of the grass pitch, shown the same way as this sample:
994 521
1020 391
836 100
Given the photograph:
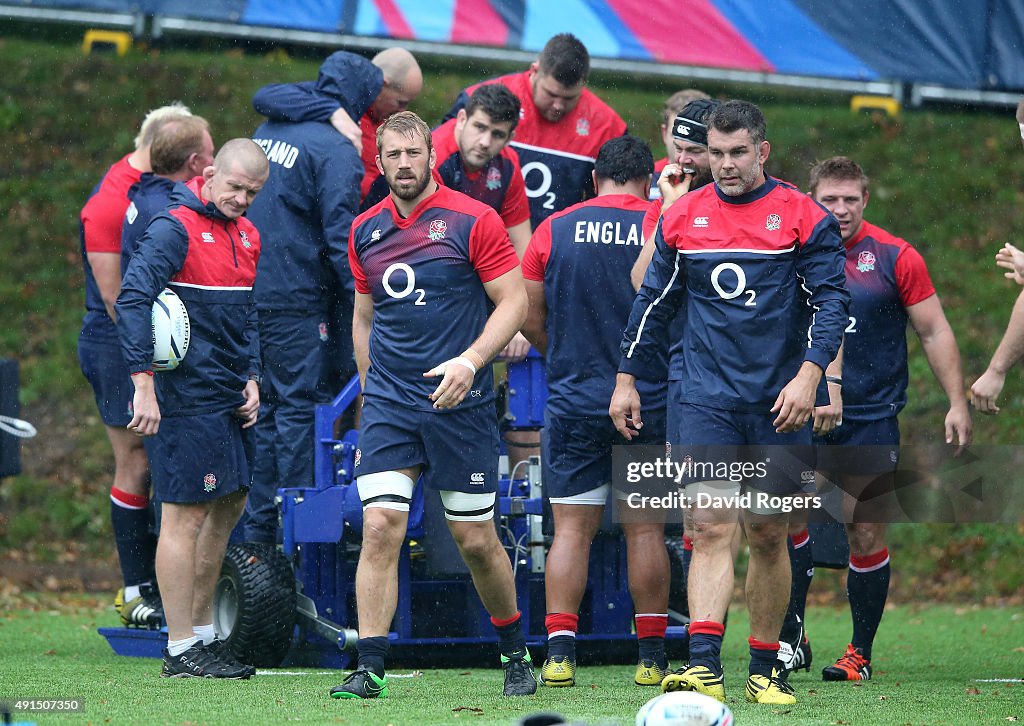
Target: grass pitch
933 665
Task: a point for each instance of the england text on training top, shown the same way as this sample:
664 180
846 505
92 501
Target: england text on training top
426 274
583 255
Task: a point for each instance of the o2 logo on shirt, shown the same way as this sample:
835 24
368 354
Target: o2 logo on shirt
740 284
410 283
545 183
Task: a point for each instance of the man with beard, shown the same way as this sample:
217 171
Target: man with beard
753 257
562 127
674 105
689 170
429 263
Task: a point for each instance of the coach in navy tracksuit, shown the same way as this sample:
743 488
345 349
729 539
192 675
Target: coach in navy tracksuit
207 251
303 285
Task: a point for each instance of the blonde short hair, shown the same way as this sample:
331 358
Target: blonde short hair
157 118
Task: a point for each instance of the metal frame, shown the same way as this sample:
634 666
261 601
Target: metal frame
321 527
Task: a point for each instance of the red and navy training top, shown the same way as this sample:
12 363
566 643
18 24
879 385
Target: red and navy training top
426 274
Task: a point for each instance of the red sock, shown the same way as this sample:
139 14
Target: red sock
651 625
561 624
502 623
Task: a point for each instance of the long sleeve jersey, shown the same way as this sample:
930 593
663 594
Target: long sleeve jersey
762 275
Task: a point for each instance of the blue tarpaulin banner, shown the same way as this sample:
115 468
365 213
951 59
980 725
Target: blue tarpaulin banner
970 44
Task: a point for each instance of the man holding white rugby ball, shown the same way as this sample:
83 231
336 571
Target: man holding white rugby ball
206 251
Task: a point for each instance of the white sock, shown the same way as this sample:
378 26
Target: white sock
132 592
177 647
206 633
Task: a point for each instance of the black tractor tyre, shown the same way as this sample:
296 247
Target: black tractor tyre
254 604
677 598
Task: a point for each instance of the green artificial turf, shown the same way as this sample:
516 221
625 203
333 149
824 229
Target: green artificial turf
930 668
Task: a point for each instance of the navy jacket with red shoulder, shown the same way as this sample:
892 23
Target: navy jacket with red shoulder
210 262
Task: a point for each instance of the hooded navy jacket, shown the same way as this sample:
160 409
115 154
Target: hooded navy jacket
149 196
306 208
210 262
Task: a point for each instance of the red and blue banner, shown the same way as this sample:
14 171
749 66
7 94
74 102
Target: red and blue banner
971 44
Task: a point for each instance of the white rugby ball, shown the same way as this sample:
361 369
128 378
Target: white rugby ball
171 331
684 708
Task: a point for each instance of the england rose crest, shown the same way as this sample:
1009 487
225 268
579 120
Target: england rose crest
865 262
437 229
773 223
494 178
209 482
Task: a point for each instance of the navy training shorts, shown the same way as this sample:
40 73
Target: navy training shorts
744 448
458 448
577 452
200 458
111 382
860 447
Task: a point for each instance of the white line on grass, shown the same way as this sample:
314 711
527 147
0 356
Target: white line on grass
982 680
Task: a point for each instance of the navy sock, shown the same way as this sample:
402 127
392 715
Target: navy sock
562 646
372 652
706 650
653 649
802 563
867 587
132 520
511 640
685 641
762 657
